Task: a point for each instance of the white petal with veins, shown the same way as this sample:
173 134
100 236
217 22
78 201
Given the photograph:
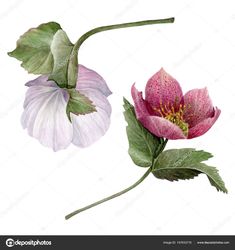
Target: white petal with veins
45 116
88 78
90 127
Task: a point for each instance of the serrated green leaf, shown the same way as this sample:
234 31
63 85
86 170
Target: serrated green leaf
181 157
142 144
186 163
33 48
65 68
79 104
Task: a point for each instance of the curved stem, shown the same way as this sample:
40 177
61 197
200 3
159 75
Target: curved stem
77 45
109 197
157 152
118 26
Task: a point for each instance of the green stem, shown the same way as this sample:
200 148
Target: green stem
77 45
109 197
119 26
158 151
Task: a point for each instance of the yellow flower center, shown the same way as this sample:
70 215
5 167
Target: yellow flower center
176 117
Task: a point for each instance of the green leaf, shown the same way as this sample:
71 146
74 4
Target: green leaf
33 48
47 50
65 68
186 163
142 144
79 104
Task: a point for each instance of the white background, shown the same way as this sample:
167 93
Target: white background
39 187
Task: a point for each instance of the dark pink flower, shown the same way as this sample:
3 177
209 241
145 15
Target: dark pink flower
165 112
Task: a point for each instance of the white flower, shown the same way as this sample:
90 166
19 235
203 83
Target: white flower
45 115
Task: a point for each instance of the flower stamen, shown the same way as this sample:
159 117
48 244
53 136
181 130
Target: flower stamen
168 112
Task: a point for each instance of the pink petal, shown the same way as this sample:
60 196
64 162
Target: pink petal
202 127
45 116
161 127
198 106
91 127
88 78
140 105
163 88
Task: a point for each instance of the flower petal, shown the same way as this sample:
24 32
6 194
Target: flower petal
41 81
161 127
45 116
163 89
140 104
202 127
198 106
90 127
88 78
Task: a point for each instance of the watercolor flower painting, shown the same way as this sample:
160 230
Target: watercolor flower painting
68 103
45 116
166 112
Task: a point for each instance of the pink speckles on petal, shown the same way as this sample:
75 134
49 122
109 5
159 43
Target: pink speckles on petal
202 127
162 128
156 125
165 112
198 106
140 105
163 88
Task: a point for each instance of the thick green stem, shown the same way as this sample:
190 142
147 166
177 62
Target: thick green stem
119 26
158 151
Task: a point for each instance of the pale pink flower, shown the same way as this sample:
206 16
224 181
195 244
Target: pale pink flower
45 115
165 112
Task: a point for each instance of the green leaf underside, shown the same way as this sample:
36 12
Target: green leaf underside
47 50
186 163
142 144
33 48
64 72
79 104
